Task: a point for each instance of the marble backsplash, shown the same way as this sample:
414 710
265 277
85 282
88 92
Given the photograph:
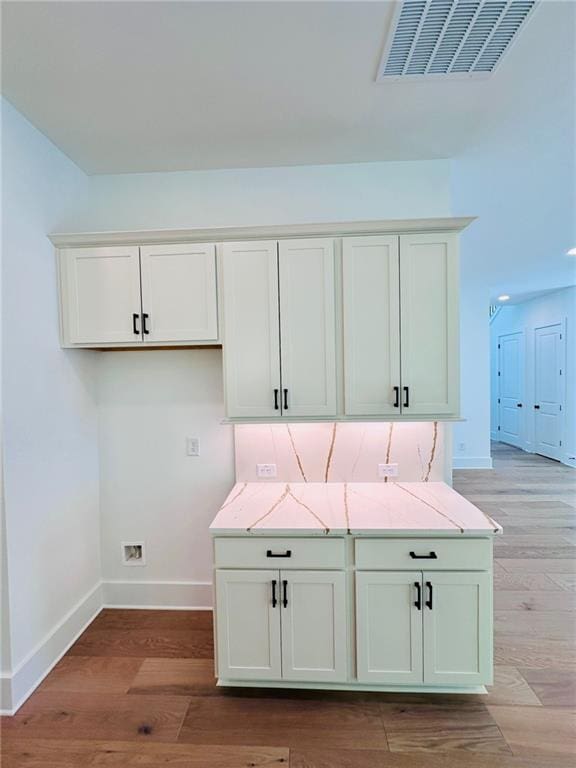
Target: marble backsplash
343 451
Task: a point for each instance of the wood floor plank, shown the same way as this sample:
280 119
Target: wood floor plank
525 651
524 581
554 687
542 565
182 677
566 581
537 730
511 688
134 618
546 625
145 643
91 674
545 600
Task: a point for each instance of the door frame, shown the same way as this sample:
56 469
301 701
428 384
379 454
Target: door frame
562 322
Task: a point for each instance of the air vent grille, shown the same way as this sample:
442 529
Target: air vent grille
451 37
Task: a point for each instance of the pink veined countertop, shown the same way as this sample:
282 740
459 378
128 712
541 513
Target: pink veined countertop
393 508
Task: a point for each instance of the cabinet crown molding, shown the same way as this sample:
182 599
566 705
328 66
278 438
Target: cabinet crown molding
280 231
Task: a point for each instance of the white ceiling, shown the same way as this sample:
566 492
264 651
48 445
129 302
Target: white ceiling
158 86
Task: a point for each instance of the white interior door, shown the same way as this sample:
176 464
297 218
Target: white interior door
457 628
548 390
313 625
179 292
371 284
248 625
251 339
389 627
101 300
511 388
308 327
429 324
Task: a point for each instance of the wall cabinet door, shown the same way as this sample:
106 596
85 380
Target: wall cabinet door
248 625
457 628
179 292
371 325
251 329
429 319
308 327
389 627
314 626
101 296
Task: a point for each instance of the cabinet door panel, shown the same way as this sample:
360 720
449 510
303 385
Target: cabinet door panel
179 292
102 293
314 626
458 629
371 284
308 326
248 626
429 324
251 340
388 628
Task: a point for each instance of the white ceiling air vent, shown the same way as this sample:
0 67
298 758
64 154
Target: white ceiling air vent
450 38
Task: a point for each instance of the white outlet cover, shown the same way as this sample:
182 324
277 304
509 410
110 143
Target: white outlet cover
387 470
192 446
266 470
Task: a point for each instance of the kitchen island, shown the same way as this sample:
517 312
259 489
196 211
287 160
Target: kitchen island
361 586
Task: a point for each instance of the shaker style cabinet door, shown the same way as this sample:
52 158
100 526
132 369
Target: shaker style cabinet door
251 342
308 329
429 319
179 292
371 325
101 294
313 626
248 625
389 627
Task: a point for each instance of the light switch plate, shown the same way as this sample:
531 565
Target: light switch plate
192 446
266 470
387 470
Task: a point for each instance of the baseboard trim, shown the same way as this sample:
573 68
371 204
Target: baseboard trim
162 595
472 462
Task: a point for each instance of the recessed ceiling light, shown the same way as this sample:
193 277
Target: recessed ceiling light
571 252
504 297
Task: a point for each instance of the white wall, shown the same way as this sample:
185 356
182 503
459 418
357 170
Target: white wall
549 309
50 421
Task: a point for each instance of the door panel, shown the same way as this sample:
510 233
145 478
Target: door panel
251 342
511 387
179 292
457 628
388 628
371 284
429 322
102 294
314 626
248 626
548 395
308 327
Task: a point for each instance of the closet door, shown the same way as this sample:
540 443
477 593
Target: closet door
308 327
179 292
251 341
371 286
101 294
429 324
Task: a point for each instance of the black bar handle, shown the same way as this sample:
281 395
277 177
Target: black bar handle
537 407
285 400
135 328
274 601
144 326
285 598
431 556
518 405
269 553
396 397
418 602
276 406
406 397
429 601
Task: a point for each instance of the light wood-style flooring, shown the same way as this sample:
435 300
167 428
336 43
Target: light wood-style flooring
137 688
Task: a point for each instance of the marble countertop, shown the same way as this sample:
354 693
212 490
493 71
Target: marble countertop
296 509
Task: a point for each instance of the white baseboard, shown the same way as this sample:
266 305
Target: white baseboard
472 462
17 685
185 595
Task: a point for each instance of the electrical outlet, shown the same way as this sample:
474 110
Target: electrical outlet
192 446
387 470
266 470
133 553
461 447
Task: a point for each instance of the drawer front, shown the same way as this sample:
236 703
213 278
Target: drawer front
425 554
279 553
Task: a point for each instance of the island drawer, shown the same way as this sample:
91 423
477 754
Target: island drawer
425 553
285 553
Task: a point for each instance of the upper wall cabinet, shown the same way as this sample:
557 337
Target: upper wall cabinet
279 328
125 295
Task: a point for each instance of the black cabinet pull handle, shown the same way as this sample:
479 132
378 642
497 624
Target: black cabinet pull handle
285 598
537 407
274 601
406 397
518 405
269 553
431 556
396 397
285 399
144 326
276 406
418 602
135 328
429 601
